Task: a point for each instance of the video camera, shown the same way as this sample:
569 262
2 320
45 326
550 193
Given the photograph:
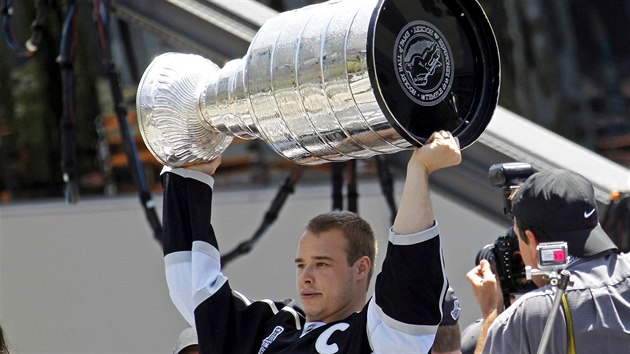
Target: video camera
552 257
503 255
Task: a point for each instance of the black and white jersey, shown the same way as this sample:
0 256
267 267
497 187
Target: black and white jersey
401 317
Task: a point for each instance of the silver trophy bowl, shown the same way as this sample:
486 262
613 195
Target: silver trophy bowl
330 82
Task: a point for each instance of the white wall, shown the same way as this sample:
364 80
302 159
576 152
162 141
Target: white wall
89 278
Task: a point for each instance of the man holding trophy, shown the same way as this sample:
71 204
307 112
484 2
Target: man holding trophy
402 316
329 82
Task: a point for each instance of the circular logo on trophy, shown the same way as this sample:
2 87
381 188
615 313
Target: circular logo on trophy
423 63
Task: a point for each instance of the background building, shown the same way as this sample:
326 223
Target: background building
85 274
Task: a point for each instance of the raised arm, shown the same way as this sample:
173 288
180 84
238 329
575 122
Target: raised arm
405 312
186 220
415 212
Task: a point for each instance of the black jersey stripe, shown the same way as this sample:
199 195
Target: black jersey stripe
186 210
419 273
272 305
401 326
296 316
242 297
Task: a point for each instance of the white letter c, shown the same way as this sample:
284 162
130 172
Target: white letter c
322 346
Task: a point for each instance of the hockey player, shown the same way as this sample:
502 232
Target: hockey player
334 262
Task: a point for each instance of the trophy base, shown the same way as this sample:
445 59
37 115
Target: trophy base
169 117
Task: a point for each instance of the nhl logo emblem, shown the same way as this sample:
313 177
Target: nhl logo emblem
423 63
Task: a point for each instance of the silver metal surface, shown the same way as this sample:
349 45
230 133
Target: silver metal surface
303 88
168 110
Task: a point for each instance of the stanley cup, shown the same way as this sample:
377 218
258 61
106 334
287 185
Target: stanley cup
330 82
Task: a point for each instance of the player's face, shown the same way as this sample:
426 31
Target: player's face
326 284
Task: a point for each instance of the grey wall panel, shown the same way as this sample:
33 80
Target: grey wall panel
89 278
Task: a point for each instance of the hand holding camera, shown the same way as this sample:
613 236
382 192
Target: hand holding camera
486 288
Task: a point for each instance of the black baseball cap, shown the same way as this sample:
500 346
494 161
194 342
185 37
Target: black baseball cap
562 204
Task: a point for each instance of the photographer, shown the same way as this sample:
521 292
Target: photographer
558 205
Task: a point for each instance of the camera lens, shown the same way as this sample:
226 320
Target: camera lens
487 253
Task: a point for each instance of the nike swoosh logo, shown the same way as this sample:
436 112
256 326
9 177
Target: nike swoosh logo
588 213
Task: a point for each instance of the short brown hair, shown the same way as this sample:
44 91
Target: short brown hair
541 235
361 240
